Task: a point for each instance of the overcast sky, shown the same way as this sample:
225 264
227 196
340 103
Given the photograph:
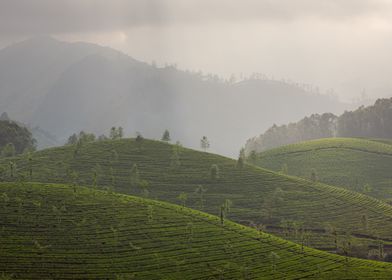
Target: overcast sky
340 44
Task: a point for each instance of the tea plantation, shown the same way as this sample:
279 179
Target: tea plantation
310 213
52 231
357 164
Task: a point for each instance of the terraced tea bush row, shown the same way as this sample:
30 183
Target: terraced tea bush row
258 197
63 232
361 165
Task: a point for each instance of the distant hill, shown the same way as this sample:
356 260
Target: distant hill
358 164
67 87
369 122
63 232
282 205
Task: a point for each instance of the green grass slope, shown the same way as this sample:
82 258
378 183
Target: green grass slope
357 164
63 232
331 217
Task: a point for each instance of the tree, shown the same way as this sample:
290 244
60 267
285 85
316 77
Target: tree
116 133
113 133
81 138
135 176
95 178
204 143
87 137
97 171
12 166
120 132
175 159
241 159
214 172
114 156
183 197
225 209
139 140
200 190
30 160
20 137
166 136
143 184
72 140
139 137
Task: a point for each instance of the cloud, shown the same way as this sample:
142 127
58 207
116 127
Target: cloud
27 17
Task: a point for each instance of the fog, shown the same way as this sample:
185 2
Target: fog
343 45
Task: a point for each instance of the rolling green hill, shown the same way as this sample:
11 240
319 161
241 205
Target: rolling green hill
357 164
331 216
64 232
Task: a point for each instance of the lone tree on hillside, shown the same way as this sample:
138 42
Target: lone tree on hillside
166 136
30 160
241 159
144 185
204 143
175 159
225 209
120 132
200 190
183 197
72 140
139 140
214 172
12 166
116 133
135 176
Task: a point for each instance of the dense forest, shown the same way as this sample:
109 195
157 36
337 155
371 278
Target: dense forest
368 122
14 139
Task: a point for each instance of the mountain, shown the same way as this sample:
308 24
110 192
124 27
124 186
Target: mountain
90 234
369 122
281 204
357 164
67 87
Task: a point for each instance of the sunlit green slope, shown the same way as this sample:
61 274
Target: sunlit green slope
63 232
357 164
330 216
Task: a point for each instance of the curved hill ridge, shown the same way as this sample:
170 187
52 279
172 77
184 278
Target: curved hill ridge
357 164
68 232
280 203
376 146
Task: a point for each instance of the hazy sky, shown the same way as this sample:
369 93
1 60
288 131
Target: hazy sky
340 44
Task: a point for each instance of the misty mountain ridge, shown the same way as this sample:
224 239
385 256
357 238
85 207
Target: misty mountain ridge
67 87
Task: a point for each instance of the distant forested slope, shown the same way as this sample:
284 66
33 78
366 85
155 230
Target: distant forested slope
366 122
67 87
14 138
